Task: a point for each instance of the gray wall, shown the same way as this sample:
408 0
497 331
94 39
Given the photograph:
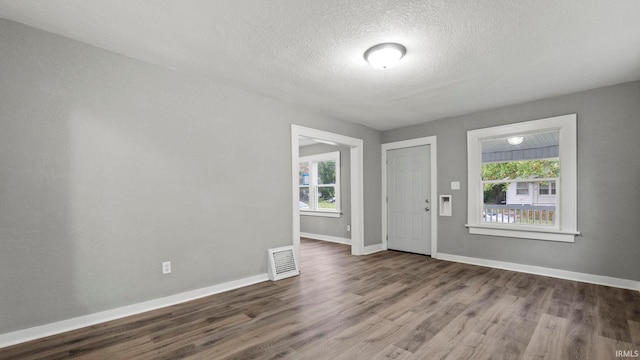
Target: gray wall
109 166
608 191
328 225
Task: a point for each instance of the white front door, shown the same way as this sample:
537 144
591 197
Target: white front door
409 199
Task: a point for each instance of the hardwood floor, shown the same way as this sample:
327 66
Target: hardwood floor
386 305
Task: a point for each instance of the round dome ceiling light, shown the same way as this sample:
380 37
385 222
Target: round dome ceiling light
515 140
384 56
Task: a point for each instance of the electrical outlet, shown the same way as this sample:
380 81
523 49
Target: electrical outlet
348 227
166 267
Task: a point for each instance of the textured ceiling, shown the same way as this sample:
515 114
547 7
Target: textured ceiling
462 56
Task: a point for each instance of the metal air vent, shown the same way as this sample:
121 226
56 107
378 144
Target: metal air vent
282 263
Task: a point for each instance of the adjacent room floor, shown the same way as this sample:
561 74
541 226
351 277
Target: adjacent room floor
386 305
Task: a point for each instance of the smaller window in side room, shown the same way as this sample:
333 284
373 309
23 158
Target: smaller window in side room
319 183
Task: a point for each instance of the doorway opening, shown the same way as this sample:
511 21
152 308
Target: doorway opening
356 182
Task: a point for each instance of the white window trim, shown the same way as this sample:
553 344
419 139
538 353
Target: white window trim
566 227
313 187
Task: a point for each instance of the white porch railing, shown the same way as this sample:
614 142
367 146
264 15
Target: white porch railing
519 214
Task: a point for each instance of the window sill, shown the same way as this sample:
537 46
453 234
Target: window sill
524 233
333 214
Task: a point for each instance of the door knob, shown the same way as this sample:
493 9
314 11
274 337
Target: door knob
426 209
427 201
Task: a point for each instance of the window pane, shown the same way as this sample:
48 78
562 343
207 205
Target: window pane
547 188
514 170
326 197
521 158
494 209
326 172
522 188
304 199
535 146
304 174
503 204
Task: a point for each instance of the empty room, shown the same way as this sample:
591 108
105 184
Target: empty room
319 179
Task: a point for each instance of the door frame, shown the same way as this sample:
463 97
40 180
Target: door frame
357 183
429 140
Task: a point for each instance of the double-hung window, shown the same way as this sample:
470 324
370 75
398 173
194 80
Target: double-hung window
522 180
319 183
522 188
547 188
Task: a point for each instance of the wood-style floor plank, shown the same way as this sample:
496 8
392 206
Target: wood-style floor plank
634 326
547 340
388 305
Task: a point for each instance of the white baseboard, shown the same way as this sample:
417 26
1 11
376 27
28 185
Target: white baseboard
38 332
333 239
538 270
373 249
367 249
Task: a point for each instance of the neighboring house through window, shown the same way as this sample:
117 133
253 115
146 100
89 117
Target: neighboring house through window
319 183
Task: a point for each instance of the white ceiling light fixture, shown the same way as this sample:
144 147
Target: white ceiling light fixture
515 140
384 56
